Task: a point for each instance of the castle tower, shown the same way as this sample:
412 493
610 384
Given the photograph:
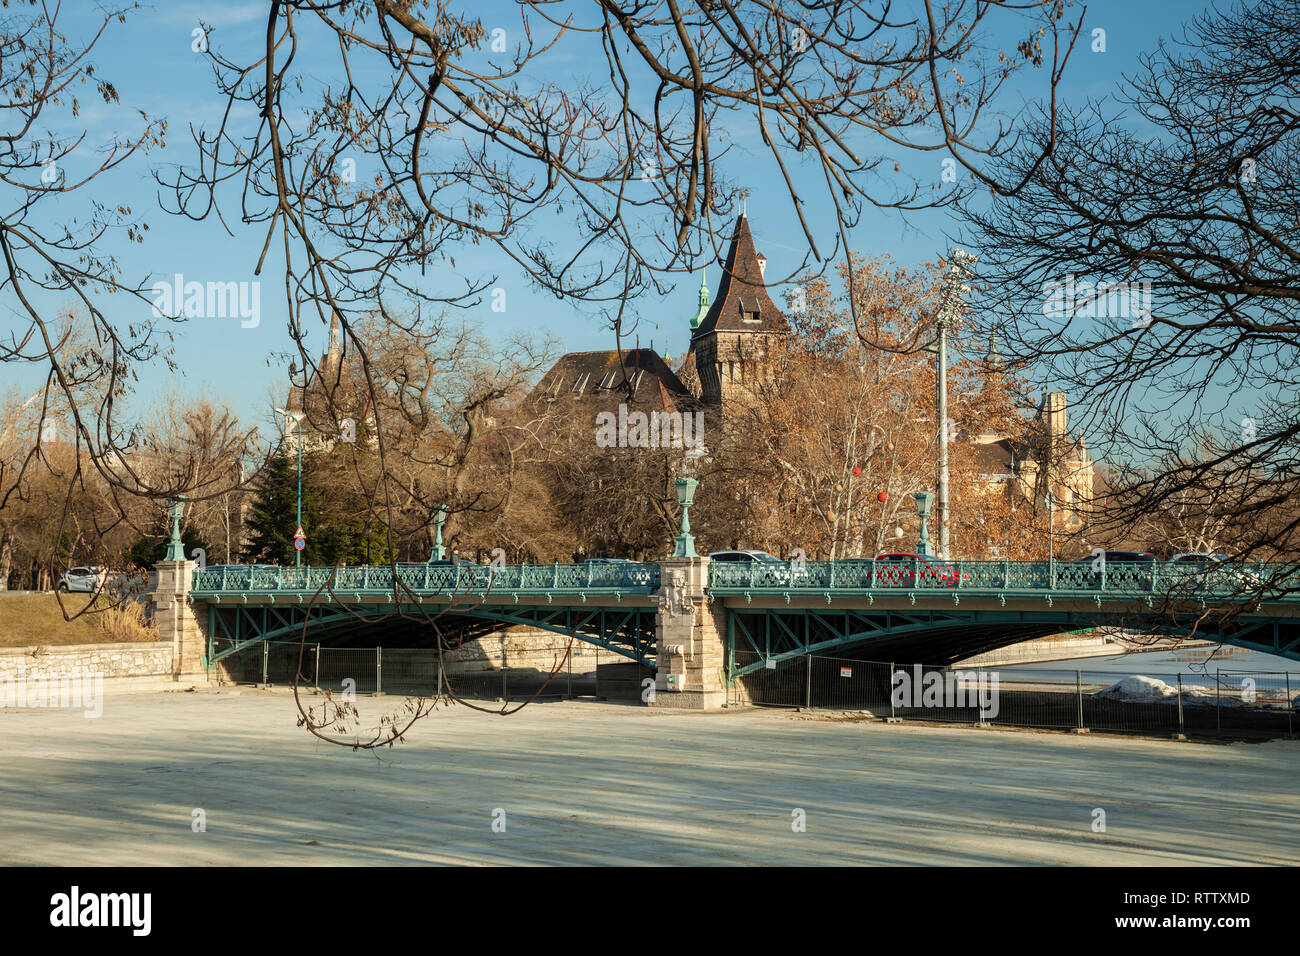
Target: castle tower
703 311
733 344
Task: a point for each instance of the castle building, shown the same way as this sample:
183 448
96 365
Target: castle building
1045 459
601 381
736 337
734 341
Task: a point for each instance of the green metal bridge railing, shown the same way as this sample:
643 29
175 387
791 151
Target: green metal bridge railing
451 579
1272 582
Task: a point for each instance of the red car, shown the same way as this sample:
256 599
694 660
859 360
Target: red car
906 570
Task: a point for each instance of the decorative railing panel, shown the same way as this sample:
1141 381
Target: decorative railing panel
1066 578
432 579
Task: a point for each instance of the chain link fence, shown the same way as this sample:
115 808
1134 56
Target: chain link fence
1238 704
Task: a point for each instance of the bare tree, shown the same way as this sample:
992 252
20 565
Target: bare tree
1150 266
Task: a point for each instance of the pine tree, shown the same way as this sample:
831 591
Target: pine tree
333 516
273 517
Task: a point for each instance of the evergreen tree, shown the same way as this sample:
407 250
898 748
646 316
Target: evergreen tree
273 517
339 525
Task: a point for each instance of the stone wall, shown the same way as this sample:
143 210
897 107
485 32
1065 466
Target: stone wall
145 659
523 648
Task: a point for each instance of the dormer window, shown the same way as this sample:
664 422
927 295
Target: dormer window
747 315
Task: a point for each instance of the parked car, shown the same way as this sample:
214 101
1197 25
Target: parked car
745 557
904 569
608 561
775 570
1119 568
86 580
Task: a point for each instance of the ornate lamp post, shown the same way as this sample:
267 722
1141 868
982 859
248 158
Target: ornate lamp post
923 502
175 549
685 497
439 519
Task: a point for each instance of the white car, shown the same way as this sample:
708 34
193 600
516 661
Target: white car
86 580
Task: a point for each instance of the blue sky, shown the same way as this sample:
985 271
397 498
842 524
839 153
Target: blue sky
151 62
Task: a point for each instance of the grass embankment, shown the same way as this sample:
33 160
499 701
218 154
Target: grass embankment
30 619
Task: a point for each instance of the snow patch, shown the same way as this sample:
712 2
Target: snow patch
1138 688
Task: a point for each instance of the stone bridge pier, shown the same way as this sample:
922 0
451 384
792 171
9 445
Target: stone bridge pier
175 619
691 639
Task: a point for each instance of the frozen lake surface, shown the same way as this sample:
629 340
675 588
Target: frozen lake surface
591 783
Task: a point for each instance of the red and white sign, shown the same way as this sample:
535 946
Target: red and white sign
846 671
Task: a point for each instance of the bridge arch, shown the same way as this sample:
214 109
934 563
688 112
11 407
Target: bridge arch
628 632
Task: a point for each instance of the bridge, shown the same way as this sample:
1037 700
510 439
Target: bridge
686 618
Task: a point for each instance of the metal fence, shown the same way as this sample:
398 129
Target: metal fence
1226 703
410 672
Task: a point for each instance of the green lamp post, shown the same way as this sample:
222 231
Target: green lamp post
685 497
175 549
439 553
924 501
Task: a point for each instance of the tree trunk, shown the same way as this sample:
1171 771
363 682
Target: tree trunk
6 560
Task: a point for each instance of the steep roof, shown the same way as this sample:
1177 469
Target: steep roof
596 378
742 303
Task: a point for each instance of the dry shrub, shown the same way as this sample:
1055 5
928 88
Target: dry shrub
126 623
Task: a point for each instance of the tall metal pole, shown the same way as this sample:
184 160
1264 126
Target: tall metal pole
960 266
297 552
1051 539
943 437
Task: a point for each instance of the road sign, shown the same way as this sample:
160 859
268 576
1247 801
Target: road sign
300 533
300 543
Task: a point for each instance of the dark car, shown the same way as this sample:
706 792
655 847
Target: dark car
1123 569
908 570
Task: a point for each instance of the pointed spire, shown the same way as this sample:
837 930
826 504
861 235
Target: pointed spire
335 337
698 317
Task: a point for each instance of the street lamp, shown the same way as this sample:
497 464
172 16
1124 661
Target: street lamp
439 519
923 502
297 416
960 268
175 549
685 497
